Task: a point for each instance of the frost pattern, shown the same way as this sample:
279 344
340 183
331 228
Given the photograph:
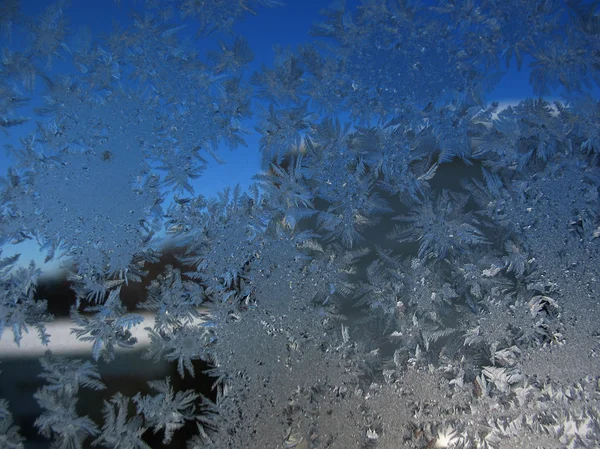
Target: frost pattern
59 419
418 227
19 307
9 433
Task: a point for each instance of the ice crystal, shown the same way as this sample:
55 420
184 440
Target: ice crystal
174 301
119 430
20 308
182 344
110 326
446 238
442 229
60 419
10 437
166 410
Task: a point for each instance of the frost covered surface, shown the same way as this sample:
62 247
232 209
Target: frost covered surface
414 267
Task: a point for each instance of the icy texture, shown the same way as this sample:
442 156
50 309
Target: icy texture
407 253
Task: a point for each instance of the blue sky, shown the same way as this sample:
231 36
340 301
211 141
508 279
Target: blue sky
285 26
